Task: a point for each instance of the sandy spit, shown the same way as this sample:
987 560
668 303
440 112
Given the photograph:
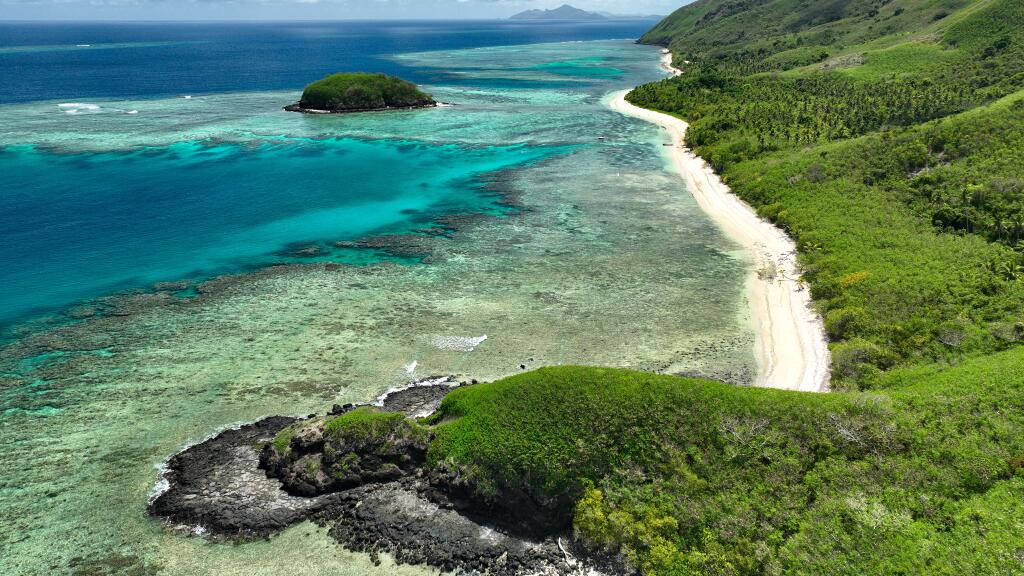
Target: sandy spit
790 343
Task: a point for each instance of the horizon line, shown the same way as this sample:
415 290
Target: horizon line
244 20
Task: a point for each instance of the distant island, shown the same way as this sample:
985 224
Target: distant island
360 92
563 12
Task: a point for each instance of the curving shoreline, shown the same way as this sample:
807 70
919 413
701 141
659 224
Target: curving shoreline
666 63
791 348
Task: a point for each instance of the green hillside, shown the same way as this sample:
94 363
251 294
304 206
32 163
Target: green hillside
682 476
887 138
896 164
748 36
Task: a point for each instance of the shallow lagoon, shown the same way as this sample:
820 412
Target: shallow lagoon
590 252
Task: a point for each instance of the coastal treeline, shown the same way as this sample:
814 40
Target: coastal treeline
735 119
900 178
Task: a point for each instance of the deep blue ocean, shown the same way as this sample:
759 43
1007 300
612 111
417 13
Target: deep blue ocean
47 61
99 213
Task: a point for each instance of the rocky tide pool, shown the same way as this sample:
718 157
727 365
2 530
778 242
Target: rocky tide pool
257 262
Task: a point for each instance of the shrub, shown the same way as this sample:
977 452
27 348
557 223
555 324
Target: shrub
842 322
858 359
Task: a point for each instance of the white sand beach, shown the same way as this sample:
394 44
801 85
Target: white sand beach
791 348
666 63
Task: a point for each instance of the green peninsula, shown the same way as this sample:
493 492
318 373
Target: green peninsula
360 92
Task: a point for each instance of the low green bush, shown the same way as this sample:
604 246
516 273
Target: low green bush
361 91
684 476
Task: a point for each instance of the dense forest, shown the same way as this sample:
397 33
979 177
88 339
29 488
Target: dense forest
888 139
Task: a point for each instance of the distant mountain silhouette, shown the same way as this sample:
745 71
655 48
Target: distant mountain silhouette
563 12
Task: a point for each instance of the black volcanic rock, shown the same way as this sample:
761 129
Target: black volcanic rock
216 486
218 489
317 457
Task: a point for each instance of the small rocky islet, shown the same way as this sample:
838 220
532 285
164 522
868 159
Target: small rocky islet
361 471
348 92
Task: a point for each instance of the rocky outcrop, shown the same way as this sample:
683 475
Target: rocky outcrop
361 472
216 487
358 447
298 107
404 520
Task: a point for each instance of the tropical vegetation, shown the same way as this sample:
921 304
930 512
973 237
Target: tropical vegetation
887 137
898 174
353 92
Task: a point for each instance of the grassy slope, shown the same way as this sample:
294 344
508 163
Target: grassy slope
888 139
691 476
759 35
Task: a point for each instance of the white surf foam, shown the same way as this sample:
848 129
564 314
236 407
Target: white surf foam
78 107
457 343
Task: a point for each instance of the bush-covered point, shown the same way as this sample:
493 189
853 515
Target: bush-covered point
360 91
924 475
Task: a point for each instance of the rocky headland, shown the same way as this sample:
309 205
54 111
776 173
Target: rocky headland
361 472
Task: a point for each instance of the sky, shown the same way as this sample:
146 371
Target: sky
306 9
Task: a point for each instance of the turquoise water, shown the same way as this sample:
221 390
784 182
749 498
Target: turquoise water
606 261
80 224
95 200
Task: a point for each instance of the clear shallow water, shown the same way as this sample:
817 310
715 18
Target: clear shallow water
610 262
81 224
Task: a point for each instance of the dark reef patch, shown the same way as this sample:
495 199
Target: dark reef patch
75 327
413 246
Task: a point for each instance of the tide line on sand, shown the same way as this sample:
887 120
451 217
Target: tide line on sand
790 344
